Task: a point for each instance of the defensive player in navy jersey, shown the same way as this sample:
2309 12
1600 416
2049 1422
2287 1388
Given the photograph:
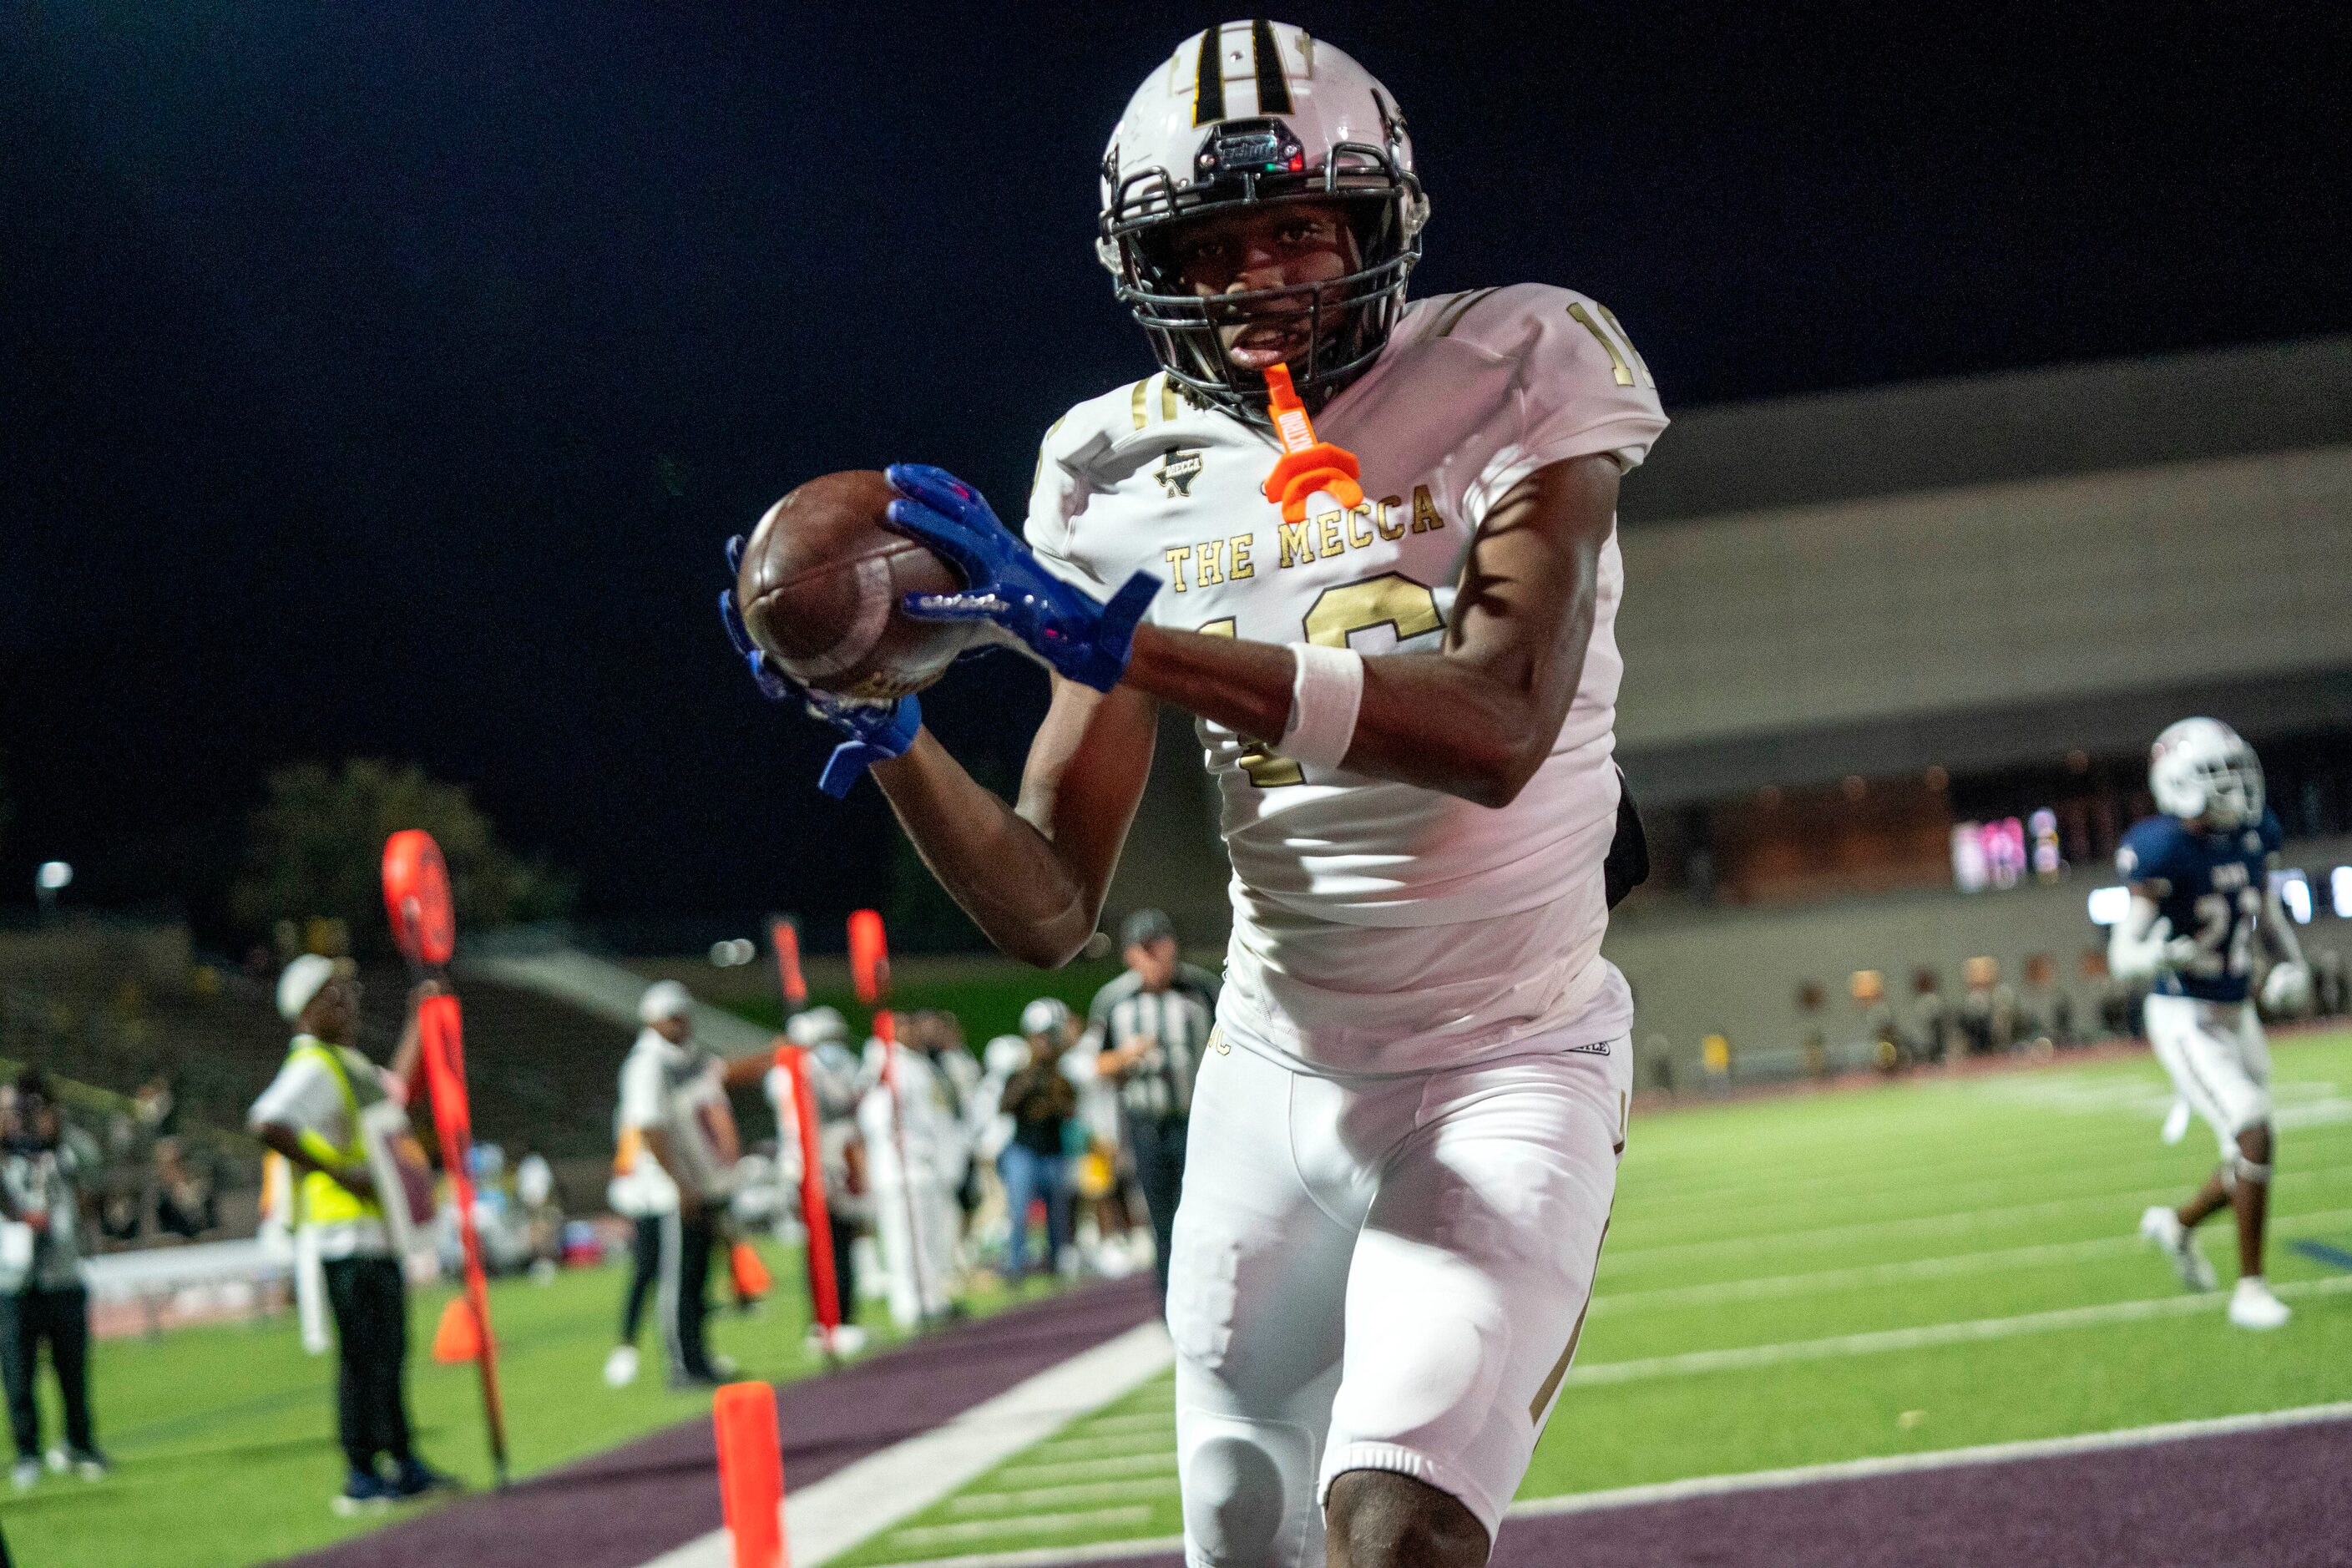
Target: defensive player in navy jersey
2201 902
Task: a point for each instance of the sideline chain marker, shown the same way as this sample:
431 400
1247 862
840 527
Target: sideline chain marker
869 970
751 1472
417 900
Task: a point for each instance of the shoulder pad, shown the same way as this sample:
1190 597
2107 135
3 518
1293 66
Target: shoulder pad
1513 321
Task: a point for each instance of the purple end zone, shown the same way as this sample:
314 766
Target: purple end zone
2277 1498
624 1506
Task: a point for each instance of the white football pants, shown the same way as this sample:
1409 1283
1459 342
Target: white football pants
1384 1274
915 1224
2220 1062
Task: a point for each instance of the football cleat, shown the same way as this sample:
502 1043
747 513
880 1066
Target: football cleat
2252 1306
2162 1227
417 1480
362 1493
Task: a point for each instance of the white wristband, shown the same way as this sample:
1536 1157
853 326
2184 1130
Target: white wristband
1324 696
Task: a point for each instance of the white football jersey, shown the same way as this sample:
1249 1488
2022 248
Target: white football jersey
1380 926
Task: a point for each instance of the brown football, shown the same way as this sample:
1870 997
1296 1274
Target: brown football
820 587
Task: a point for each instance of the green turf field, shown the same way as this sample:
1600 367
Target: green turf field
224 1437
1919 1266
1888 1270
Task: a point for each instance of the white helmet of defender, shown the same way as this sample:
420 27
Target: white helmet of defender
2200 768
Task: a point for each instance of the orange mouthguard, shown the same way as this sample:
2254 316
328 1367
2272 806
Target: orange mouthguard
1307 466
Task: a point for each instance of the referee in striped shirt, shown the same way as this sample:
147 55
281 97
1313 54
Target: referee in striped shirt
1152 1023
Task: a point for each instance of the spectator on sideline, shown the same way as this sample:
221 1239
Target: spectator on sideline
991 1131
1154 1022
1043 1104
310 1114
44 1166
2328 993
917 1148
674 1099
640 1192
959 1076
541 1208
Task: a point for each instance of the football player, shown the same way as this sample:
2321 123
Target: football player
2201 903
1405 1132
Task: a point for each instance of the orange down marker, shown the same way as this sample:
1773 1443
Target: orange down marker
751 1472
1306 465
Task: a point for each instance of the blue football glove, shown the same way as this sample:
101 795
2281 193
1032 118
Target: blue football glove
1004 583
876 729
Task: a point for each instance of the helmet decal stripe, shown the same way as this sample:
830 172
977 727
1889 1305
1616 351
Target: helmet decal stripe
1208 83
1273 92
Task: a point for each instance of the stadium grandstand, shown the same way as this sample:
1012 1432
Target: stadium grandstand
552 1015
1893 659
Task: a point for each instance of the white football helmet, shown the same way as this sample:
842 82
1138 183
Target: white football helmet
1046 1015
2199 768
1250 113
817 1026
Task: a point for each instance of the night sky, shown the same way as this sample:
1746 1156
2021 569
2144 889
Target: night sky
381 379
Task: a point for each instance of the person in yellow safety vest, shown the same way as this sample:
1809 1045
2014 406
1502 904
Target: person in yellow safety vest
310 1114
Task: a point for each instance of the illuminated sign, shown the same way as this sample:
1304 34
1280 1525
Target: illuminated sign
2293 890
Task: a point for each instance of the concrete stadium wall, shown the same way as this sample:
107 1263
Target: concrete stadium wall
1994 594
1698 972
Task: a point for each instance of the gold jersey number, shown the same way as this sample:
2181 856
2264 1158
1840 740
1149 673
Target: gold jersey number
1337 615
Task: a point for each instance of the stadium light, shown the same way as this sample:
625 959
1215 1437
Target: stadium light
2109 905
48 882
2339 887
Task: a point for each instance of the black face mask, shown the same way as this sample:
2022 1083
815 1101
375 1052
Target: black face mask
1257 163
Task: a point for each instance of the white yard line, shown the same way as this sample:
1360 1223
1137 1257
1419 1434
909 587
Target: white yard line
1144 1487
1917 1268
1671 1296
828 1516
1941 1459
1080 1469
1839 1346
1754 1481
1118 1425
1105 1445
1928 1225
1907 1165
1032 1524
1906 1179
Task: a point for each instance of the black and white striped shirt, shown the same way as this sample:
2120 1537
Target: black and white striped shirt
1176 1020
